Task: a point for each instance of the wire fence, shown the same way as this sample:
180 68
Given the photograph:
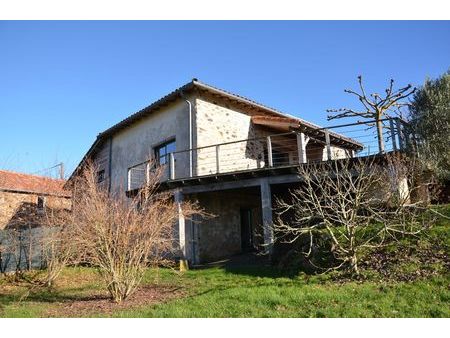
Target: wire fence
22 249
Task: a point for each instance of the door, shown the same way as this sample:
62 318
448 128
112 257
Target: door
246 230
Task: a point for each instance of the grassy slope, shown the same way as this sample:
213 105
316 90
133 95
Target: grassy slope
221 294
254 292
215 292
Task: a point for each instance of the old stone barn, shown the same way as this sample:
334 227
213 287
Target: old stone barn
24 197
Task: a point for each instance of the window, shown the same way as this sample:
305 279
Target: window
162 152
100 176
40 203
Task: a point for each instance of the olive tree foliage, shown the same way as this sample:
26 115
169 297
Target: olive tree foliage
429 115
375 107
352 205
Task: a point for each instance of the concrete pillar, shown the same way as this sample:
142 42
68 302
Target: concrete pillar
182 238
403 189
266 206
399 185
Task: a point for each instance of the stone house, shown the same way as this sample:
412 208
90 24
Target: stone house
24 197
226 151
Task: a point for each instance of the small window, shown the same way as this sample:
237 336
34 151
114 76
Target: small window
100 176
162 152
40 203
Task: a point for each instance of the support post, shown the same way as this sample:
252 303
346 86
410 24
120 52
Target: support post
147 173
328 144
172 166
401 140
217 159
178 196
392 131
269 151
266 206
301 148
129 179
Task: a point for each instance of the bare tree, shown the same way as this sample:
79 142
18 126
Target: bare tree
376 107
355 205
121 236
57 241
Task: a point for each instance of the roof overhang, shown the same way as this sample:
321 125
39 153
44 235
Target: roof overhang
286 124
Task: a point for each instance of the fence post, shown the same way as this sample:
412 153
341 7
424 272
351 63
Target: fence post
301 148
269 151
217 159
392 131
172 166
328 144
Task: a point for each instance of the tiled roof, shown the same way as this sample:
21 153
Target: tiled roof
19 182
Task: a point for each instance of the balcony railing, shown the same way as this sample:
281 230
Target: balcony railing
278 150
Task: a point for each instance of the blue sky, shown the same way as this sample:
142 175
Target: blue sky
64 82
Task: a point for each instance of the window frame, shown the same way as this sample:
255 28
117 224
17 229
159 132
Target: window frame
101 175
164 145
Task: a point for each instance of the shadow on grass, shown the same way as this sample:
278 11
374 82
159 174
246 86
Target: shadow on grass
253 265
48 295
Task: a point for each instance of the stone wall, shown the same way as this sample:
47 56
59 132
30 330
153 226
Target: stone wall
20 209
220 236
218 123
215 124
316 152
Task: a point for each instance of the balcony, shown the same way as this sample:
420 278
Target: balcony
288 149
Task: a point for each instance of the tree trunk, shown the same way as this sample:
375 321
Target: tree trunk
354 264
380 136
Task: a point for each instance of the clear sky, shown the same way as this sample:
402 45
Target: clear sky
61 83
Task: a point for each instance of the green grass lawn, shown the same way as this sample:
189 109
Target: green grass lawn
258 291
216 292
222 294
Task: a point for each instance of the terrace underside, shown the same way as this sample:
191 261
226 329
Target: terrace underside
241 205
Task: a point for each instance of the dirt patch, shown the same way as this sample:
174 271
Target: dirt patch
101 304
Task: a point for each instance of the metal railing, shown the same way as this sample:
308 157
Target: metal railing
278 150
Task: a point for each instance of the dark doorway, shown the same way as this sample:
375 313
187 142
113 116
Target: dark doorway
246 230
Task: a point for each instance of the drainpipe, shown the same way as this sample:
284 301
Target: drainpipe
190 134
191 161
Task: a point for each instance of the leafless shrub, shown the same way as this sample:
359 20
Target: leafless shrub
355 205
58 244
121 236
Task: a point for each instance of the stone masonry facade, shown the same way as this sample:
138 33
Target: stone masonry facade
21 209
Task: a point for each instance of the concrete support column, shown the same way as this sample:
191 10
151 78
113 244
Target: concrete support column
266 206
399 185
403 189
182 235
